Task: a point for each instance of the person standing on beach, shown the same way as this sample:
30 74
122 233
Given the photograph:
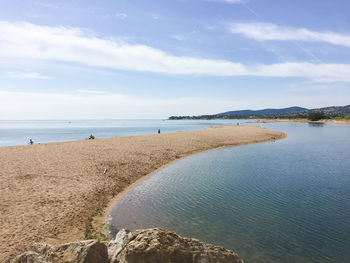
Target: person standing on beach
158 131
31 142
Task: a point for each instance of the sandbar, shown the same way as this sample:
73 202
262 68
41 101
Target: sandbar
52 192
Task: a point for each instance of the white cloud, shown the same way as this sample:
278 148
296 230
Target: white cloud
121 15
92 91
266 31
29 41
25 40
25 75
315 72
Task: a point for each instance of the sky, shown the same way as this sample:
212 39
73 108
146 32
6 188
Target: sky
151 59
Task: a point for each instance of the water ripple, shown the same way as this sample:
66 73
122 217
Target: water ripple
287 201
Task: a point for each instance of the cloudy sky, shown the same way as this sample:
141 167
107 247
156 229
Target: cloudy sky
63 59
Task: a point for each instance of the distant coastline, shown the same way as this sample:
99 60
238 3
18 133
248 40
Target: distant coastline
337 121
333 113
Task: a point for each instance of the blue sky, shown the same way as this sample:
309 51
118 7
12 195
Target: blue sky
152 59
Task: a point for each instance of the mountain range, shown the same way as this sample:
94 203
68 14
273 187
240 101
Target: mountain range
263 112
289 112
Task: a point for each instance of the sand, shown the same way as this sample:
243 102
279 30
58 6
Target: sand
51 192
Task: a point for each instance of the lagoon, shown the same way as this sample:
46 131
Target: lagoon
283 201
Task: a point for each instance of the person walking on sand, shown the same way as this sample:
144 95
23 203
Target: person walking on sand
158 131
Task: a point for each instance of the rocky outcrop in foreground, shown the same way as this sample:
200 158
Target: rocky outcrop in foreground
142 246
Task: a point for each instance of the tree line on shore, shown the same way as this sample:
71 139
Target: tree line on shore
334 112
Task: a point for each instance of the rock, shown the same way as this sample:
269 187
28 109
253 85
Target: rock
163 246
29 257
88 251
141 246
115 246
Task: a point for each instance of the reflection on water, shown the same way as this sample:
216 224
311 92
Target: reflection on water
287 201
316 124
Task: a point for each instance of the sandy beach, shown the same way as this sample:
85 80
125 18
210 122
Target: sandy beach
51 192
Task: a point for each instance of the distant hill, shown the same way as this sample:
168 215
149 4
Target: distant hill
335 110
291 112
264 112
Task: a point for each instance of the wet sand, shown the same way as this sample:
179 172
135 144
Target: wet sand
51 192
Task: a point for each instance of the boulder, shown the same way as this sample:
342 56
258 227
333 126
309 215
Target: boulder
87 251
116 245
163 246
154 245
29 257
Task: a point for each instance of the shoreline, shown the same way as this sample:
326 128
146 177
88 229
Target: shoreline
300 120
58 192
120 195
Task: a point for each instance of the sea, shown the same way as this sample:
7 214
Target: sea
17 132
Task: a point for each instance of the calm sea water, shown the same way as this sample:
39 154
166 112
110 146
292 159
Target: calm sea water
19 132
283 201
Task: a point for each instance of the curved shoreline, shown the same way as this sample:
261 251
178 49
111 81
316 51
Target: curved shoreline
103 222
51 192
